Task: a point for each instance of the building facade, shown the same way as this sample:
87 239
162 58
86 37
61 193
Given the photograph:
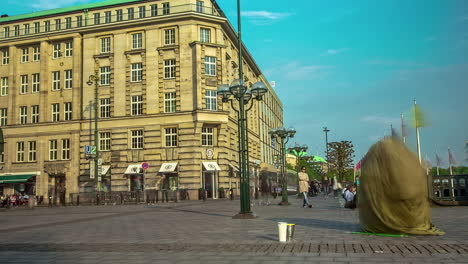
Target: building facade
159 64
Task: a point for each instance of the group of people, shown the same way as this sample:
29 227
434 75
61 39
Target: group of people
13 200
311 188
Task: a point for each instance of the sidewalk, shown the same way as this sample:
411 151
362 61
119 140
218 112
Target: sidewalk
204 232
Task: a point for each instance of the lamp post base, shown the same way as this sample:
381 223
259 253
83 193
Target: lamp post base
284 203
245 216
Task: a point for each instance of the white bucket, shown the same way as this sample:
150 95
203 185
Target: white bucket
282 229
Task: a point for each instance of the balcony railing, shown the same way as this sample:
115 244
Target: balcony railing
88 19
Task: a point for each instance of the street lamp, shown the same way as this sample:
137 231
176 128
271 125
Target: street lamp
297 150
284 135
240 92
93 79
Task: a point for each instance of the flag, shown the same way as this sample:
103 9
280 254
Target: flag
451 158
438 160
403 127
418 117
357 166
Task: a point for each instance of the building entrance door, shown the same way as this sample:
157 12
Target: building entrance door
60 190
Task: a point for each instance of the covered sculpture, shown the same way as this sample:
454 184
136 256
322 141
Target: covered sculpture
393 193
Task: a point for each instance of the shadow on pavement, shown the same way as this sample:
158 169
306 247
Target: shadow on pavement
320 223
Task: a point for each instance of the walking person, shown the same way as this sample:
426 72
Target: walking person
304 186
326 186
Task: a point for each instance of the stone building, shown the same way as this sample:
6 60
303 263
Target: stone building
159 64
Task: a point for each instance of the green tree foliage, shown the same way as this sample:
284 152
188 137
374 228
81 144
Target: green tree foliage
340 157
446 171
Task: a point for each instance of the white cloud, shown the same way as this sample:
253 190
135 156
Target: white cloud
297 71
335 51
380 120
264 15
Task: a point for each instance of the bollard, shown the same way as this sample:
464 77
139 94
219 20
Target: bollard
290 232
77 200
282 230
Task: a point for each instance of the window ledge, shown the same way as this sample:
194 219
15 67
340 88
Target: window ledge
135 51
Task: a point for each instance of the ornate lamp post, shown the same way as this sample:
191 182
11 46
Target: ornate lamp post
297 150
243 95
284 135
95 79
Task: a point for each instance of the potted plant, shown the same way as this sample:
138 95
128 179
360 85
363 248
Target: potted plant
221 192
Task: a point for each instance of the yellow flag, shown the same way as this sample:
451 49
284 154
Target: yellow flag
418 118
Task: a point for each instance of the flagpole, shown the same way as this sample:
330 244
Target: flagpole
403 132
418 144
450 161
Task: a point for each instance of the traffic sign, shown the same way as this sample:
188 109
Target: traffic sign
145 165
90 150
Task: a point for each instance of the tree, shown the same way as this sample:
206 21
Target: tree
340 157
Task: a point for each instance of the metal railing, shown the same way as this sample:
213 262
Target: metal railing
8 29
450 187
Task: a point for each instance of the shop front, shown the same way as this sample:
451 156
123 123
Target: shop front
23 183
169 184
136 179
210 179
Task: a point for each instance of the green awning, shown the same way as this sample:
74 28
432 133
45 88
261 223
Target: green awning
16 178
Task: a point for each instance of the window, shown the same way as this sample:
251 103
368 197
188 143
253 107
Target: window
65 149
200 7
104 141
16 30
4 87
105 75
136 72
23 118
137 41
2 157
141 12
26 29
52 149
67 111
6 32
68 79
166 9
119 15
211 100
107 17
137 139
68 24
104 108
130 13
169 36
58 24
35 114
46 26
36 83
19 151
210 66
154 10
137 105
55 80
57 53
5 57
105 45
170 102
207 136
68 48
24 54
36 53
205 35
24 84
3 116
79 21
171 137
37 27
55 112
32 151
169 69
97 18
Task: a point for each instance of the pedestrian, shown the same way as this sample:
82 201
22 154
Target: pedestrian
264 189
325 186
304 186
350 197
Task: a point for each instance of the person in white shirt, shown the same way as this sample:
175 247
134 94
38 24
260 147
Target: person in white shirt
350 197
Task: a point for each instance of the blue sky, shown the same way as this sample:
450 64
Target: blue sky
355 66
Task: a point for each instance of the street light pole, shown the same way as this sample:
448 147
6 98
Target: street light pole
94 79
326 130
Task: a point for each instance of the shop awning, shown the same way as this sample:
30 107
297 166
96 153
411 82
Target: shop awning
104 169
134 169
234 168
16 177
211 166
168 167
268 167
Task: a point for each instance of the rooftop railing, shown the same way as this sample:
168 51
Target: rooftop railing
13 30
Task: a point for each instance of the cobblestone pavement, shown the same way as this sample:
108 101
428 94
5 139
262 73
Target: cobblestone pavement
204 232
